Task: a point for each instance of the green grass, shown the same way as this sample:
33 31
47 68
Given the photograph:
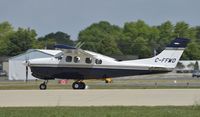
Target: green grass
99 84
116 111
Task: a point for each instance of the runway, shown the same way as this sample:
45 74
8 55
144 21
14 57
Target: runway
116 97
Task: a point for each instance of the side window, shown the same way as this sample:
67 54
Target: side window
77 59
68 59
88 60
98 61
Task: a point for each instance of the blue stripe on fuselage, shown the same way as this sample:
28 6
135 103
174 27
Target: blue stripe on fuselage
87 73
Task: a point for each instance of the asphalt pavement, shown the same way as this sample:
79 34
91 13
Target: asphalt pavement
97 97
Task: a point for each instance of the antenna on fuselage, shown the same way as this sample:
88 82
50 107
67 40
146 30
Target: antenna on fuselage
79 45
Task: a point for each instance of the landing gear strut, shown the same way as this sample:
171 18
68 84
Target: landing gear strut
43 86
78 85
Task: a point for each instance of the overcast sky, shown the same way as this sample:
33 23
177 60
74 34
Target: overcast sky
71 16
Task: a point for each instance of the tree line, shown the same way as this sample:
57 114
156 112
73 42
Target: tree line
14 42
134 38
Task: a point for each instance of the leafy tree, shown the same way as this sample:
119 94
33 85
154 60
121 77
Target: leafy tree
51 39
183 30
137 29
108 47
20 41
166 30
124 45
197 28
153 40
101 37
15 42
45 44
192 52
140 48
134 38
6 30
134 31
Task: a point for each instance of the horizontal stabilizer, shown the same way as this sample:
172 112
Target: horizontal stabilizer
179 43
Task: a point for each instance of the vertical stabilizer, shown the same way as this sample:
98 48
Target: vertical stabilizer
168 58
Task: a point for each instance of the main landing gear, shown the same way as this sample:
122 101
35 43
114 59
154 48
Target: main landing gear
78 85
43 86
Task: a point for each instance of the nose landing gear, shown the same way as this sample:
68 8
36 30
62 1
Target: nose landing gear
78 85
43 86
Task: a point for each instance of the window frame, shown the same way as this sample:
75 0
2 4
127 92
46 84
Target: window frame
87 59
77 59
98 61
67 60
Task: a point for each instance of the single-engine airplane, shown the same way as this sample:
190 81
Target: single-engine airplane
78 64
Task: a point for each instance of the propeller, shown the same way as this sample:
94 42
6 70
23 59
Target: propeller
26 73
27 63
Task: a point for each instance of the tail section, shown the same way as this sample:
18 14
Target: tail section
172 53
168 58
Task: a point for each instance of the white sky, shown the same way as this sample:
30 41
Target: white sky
71 16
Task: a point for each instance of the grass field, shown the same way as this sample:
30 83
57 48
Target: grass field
160 81
98 84
118 111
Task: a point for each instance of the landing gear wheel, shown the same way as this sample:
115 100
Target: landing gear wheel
43 86
82 85
78 85
75 85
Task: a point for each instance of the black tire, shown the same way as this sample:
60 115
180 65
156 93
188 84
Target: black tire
43 86
78 85
82 85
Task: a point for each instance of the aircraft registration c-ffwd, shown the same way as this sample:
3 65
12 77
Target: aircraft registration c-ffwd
75 63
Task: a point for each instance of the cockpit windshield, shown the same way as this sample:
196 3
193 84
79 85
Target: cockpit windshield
60 56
